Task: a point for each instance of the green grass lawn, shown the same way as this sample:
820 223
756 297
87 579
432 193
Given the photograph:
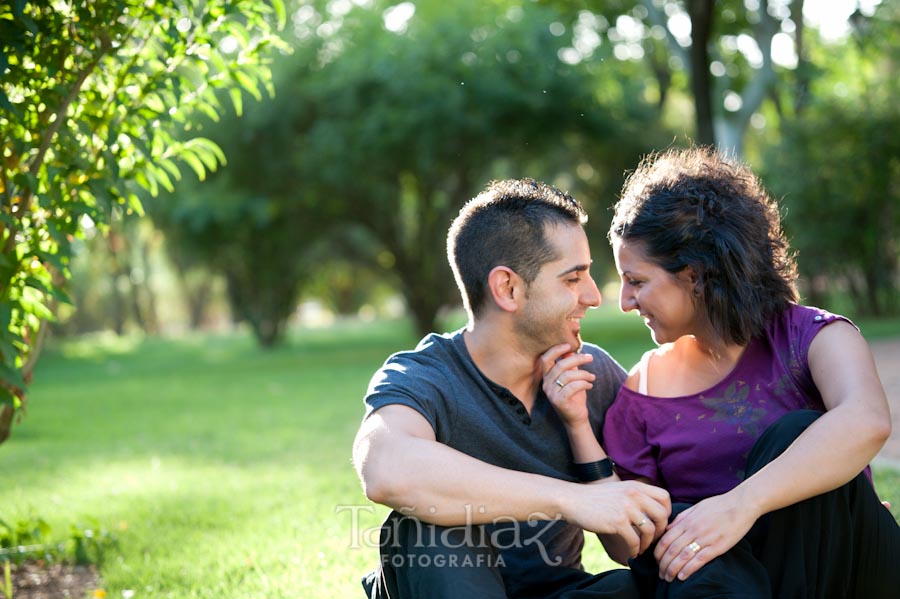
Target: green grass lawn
224 471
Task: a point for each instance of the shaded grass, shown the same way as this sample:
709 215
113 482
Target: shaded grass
224 470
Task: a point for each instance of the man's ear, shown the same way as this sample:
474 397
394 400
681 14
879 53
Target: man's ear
504 283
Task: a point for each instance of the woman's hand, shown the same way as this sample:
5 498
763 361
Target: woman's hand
701 533
566 385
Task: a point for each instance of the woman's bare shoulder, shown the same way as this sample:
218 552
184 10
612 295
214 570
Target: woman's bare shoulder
633 380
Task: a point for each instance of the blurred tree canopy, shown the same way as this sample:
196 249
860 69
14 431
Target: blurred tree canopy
389 123
390 115
91 96
728 57
838 169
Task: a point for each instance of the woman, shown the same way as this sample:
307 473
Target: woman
758 413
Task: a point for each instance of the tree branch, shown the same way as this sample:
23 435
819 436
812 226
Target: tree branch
28 194
658 17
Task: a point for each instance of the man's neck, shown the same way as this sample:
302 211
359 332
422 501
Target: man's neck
499 354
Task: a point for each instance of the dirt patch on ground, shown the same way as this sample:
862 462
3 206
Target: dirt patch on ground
53 581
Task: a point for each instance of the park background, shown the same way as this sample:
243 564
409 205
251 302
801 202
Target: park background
219 218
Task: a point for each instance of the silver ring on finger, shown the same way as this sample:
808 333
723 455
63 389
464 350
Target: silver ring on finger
641 523
559 383
694 547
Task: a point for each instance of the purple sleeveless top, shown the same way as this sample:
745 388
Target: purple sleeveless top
696 446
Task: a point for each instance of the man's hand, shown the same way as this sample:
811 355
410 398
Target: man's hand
635 512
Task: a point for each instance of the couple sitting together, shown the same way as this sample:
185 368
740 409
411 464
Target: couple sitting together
731 461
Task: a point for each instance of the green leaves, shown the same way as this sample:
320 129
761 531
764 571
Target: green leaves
94 102
392 132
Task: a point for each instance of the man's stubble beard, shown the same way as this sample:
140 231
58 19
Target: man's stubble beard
539 335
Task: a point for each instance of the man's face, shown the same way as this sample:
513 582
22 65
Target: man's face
561 294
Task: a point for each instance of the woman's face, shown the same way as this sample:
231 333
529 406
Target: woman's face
663 299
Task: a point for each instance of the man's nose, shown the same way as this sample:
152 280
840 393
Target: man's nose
592 295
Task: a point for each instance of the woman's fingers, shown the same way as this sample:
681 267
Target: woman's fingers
550 357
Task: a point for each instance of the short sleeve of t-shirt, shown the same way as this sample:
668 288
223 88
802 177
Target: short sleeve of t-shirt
796 328
610 376
413 379
625 439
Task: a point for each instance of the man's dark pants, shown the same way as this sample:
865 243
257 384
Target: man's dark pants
426 561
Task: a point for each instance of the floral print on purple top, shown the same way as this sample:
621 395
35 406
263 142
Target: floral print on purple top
696 445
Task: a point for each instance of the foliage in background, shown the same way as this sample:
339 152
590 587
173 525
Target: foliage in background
111 286
718 54
254 241
92 95
412 122
339 189
254 221
388 123
837 168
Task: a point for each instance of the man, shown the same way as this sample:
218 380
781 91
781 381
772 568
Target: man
461 441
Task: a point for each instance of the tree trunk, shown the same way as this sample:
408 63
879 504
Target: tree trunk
802 72
731 127
118 308
116 246
263 303
269 332
151 314
701 13
730 136
134 295
198 299
6 418
196 295
424 310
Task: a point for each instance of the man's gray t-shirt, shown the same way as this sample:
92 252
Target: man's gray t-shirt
478 417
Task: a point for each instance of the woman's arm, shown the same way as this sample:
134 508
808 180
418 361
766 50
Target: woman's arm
566 385
833 450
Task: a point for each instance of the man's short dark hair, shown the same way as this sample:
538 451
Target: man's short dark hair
505 225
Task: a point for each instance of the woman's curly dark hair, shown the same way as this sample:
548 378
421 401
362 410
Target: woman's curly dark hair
694 207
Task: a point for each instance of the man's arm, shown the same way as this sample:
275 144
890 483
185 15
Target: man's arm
401 465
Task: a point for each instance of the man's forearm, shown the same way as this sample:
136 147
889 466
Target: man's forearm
401 465
441 485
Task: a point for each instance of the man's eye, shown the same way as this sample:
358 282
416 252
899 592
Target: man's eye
574 280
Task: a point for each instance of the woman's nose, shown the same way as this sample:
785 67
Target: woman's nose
627 300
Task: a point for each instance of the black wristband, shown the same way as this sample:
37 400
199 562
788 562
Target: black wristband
592 471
